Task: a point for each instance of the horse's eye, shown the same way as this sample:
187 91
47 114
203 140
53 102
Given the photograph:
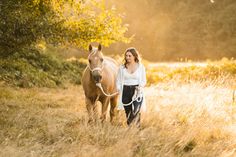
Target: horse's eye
101 59
89 60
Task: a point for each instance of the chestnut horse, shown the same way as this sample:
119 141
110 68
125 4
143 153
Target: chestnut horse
99 84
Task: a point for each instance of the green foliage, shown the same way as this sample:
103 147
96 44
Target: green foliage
24 23
32 68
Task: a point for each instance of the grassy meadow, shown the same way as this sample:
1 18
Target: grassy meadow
191 112
191 106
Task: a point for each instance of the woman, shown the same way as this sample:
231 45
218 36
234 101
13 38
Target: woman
130 82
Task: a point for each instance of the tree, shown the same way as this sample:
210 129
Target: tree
78 22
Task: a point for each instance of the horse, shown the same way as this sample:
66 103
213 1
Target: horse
99 84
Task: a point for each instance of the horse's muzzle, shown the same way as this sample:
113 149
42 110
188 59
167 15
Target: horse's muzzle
97 78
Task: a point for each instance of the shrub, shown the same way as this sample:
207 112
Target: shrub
32 68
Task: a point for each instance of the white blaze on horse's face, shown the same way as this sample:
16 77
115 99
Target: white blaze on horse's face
96 63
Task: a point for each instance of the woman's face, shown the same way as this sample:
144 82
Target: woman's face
129 57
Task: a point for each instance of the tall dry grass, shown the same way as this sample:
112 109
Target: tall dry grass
183 72
191 119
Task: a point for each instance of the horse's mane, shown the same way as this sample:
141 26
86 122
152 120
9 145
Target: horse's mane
110 59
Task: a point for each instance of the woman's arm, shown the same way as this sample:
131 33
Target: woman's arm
119 79
143 81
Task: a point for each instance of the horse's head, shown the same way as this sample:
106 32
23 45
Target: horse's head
95 59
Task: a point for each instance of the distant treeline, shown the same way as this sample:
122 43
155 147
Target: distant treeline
174 29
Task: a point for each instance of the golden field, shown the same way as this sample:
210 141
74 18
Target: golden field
184 118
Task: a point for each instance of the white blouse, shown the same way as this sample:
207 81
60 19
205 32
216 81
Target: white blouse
136 78
126 78
131 78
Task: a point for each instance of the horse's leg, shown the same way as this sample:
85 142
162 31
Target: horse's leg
95 111
89 106
105 103
113 106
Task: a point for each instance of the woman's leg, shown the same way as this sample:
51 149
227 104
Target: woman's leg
129 114
136 112
128 92
133 113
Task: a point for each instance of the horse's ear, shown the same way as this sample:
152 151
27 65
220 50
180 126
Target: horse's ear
99 47
90 47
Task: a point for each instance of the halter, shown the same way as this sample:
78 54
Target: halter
94 69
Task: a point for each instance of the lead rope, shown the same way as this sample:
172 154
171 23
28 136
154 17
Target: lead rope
99 85
136 97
